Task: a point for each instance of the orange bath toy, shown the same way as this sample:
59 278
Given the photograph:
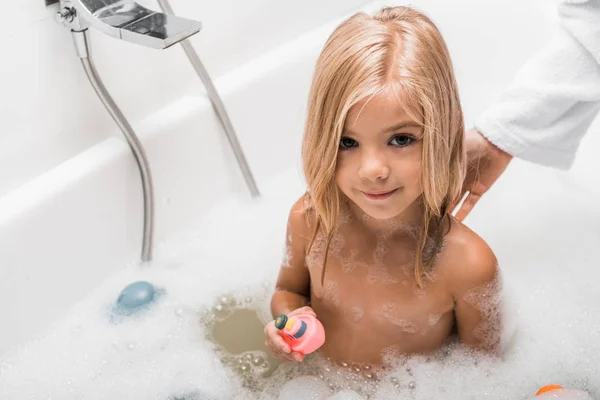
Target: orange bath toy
549 388
558 392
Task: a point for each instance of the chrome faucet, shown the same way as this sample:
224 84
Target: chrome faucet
126 20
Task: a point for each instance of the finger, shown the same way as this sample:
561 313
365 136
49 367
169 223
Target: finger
289 357
454 207
283 356
278 353
278 342
467 206
297 356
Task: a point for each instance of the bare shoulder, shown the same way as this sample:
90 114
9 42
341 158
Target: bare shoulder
470 262
302 217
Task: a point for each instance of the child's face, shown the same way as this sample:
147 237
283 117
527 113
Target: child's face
379 162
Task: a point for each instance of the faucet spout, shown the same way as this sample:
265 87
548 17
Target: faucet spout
129 21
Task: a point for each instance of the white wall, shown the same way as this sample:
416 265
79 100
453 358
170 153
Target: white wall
49 111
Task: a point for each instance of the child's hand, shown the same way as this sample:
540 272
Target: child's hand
277 345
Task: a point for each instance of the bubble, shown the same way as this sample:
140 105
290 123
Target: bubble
287 257
332 292
390 312
355 313
304 387
380 250
379 273
487 299
434 319
346 395
555 339
316 255
420 292
207 317
409 267
345 216
391 353
350 263
337 243
432 250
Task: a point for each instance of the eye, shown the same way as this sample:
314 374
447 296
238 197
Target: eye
401 140
347 143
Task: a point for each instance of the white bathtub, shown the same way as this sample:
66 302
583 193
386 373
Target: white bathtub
71 209
70 227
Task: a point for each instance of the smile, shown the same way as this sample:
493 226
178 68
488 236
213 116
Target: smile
379 195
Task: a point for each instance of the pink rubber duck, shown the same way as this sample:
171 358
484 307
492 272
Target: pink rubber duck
302 332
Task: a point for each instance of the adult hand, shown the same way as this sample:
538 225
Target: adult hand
485 163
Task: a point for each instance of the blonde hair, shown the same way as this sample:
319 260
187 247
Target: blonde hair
400 49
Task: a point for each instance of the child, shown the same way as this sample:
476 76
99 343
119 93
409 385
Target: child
372 247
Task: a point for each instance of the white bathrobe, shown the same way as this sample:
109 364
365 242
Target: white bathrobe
555 97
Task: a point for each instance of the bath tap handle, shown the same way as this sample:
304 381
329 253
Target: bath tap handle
129 21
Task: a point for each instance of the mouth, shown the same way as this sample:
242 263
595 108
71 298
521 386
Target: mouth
379 195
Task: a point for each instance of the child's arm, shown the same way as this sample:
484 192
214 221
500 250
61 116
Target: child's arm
478 297
293 284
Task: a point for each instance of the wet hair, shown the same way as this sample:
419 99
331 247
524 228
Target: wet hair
398 49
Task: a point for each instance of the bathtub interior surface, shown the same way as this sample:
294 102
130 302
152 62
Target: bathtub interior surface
50 112
545 239
543 225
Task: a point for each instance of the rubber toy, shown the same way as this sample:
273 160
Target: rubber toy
302 332
549 388
135 297
558 392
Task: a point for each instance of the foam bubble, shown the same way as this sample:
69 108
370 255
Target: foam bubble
487 299
355 313
305 387
378 273
332 295
346 395
548 260
287 256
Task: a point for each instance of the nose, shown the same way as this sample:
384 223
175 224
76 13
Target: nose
373 166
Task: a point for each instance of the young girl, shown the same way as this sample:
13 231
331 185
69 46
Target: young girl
372 247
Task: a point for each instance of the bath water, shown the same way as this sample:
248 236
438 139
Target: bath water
202 339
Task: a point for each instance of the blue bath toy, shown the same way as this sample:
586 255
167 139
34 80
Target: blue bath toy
135 297
195 395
